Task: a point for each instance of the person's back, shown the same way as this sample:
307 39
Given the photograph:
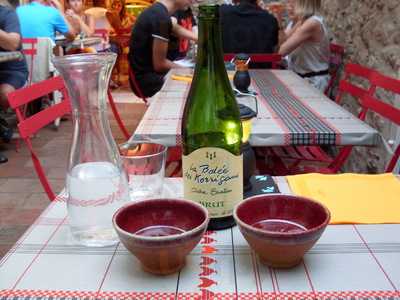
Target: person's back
148 51
312 56
246 28
307 44
143 33
38 20
154 22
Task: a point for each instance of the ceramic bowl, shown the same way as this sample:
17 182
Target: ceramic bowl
281 228
161 232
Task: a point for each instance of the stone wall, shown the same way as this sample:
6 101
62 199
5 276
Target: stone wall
370 32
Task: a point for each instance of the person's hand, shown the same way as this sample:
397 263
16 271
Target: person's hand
71 14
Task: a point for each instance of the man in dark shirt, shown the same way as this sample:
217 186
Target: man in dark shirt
149 44
13 74
246 28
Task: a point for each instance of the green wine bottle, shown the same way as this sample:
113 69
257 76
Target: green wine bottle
211 129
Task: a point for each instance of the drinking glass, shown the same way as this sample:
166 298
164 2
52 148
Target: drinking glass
145 165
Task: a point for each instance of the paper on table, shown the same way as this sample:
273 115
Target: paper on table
186 63
353 198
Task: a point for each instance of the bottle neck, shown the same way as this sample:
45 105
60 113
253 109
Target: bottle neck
209 47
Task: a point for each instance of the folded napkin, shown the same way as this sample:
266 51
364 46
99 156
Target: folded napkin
353 198
187 78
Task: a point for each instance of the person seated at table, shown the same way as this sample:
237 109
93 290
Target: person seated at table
43 18
246 28
81 22
13 74
119 18
307 44
149 44
178 47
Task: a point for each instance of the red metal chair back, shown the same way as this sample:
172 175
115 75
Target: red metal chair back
371 103
31 51
32 124
132 78
117 116
346 86
336 60
114 109
273 58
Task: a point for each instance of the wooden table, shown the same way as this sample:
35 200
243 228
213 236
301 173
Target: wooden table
10 55
348 262
290 112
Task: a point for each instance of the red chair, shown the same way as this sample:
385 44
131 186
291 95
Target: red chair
389 112
32 124
336 60
346 86
113 106
287 160
272 58
30 49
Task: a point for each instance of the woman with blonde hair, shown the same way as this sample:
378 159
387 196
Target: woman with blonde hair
307 44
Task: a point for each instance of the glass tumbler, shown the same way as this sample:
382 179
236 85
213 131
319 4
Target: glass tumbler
145 165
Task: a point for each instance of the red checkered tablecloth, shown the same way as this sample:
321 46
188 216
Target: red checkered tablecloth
290 112
348 262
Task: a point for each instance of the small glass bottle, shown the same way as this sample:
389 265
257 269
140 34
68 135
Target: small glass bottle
96 182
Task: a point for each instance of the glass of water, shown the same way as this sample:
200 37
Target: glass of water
145 165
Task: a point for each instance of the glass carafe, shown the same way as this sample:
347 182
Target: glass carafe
96 182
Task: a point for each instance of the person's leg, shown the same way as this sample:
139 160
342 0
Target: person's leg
5 131
5 89
9 81
149 84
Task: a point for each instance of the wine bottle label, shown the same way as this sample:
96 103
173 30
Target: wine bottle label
213 177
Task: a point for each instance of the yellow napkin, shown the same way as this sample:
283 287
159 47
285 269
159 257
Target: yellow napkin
353 198
188 78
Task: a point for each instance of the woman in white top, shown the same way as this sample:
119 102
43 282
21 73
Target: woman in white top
307 44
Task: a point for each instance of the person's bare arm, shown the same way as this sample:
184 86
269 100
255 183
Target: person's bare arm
160 61
9 40
182 32
284 35
88 29
307 31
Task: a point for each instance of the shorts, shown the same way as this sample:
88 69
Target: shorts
17 79
149 83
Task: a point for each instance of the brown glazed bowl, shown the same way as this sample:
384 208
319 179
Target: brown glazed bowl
281 228
161 232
